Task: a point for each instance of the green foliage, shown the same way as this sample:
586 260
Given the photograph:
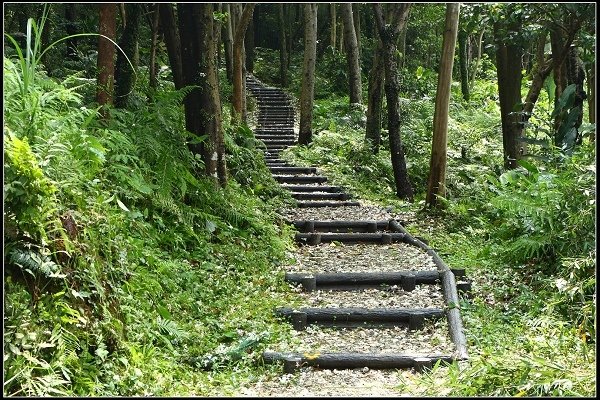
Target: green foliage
155 264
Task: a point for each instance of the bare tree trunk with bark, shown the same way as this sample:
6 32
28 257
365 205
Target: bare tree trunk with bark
376 79
238 61
436 186
106 53
388 33
308 73
354 75
283 55
171 34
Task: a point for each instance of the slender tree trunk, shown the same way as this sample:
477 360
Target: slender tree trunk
238 61
464 68
106 53
591 82
388 33
217 34
333 25
341 37
171 34
508 65
356 21
228 42
282 46
376 79
402 46
249 44
71 29
355 84
436 186
308 73
124 75
153 44
477 60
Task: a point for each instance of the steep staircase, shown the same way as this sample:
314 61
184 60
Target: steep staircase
275 127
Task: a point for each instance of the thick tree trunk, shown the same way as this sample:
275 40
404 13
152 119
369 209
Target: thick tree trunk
154 37
238 62
171 35
576 76
508 65
308 73
283 62
218 28
437 168
333 26
376 79
124 75
464 69
106 53
355 84
202 104
71 29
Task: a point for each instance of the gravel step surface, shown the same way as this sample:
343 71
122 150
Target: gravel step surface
361 257
362 382
424 296
432 339
365 212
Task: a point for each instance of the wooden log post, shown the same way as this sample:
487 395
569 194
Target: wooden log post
422 364
291 364
299 320
309 283
409 283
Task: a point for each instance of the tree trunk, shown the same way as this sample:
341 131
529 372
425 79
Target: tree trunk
124 75
154 37
388 33
508 65
171 34
282 47
402 46
228 42
437 168
249 44
238 60
464 69
376 78
576 76
333 25
202 104
106 53
341 37
218 27
71 29
308 73
477 60
355 84
356 20
591 82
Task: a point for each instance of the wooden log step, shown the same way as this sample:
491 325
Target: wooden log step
313 188
278 142
359 317
320 196
354 280
267 131
341 226
295 361
317 203
316 238
293 170
263 137
300 178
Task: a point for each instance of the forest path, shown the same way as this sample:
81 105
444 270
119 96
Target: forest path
380 305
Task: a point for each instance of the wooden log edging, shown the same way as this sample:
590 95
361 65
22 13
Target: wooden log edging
457 334
414 318
385 238
355 360
343 225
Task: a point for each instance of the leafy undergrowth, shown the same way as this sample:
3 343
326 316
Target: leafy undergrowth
125 273
526 238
